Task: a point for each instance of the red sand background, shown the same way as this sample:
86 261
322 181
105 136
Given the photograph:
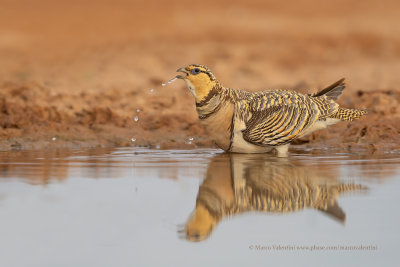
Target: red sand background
74 73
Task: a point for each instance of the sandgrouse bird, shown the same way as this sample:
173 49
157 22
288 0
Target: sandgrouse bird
258 122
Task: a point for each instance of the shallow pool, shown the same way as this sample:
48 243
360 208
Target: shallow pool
141 207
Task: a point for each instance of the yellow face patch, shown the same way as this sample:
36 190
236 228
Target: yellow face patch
199 81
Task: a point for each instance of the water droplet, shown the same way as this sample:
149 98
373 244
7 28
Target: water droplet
172 80
133 139
54 138
136 118
169 82
190 139
138 110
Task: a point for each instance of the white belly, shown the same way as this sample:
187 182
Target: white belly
240 145
318 125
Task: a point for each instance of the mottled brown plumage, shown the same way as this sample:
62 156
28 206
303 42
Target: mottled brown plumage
260 121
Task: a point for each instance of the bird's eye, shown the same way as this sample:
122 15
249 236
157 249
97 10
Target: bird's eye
195 71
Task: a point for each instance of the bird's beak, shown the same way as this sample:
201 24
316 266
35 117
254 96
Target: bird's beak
182 76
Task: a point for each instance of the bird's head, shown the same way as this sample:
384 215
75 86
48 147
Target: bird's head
199 79
200 224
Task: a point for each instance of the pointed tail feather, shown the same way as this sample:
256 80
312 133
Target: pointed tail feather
335 212
333 91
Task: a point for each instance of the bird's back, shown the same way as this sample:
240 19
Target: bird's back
276 117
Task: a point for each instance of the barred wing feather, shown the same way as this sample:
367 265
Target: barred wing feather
279 117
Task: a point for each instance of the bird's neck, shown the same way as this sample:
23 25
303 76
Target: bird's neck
206 93
210 102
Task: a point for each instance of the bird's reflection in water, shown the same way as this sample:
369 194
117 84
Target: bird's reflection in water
238 183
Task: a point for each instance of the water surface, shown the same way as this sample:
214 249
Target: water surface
140 207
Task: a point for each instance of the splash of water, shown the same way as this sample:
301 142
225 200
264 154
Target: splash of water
190 140
170 81
133 139
136 118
